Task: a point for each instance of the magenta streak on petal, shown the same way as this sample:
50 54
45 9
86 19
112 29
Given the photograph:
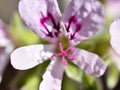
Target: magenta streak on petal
78 27
42 21
55 26
72 19
64 53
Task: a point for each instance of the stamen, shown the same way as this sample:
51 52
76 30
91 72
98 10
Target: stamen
69 52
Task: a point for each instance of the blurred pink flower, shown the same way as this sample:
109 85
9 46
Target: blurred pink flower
112 8
81 20
6 47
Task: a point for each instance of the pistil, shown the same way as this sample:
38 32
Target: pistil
69 52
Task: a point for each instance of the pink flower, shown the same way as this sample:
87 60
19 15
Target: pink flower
112 8
81 20
6 47
115 35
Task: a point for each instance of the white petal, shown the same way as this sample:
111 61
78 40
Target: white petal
91 63
53 76
32 11
88 15
29 56
115 35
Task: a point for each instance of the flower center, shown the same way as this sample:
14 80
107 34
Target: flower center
69 53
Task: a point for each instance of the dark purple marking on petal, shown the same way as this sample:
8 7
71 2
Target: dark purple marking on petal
56 34
78 27
56 26
42 21
71 20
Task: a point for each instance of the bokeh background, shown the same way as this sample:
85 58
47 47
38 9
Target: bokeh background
74 78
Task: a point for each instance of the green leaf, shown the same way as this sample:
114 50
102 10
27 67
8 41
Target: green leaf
112 76
30 79
69 84
90 83
32 83
74 72
21 34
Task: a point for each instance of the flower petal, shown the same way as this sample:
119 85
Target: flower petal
53 76
3 60
29 56
4 56
42 16
91 63
4 39
115 35
115 58
6 46
83 19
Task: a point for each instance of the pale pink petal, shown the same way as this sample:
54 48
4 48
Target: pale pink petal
53 76
115 35
4 39
4 59
84 18
115 58
6 46
42 16
29 56
91 63
4 56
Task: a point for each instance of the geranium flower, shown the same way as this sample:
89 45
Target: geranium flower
6 47
81 20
